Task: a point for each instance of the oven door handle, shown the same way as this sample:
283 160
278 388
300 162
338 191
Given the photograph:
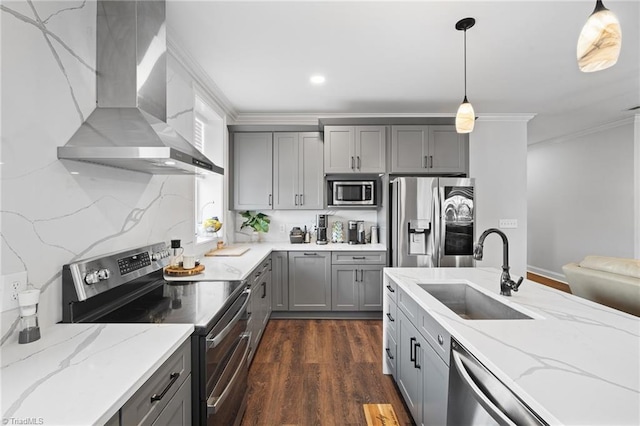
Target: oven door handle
215 407
212 343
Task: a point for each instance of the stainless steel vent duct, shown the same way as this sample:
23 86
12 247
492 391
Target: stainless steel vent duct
128 128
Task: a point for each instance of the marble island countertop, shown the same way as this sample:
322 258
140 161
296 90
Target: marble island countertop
232 268
82 374
575 363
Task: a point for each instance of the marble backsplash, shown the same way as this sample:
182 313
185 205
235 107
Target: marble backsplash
53 212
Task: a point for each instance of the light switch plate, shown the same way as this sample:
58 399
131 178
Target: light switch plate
282 229
10 286
508 223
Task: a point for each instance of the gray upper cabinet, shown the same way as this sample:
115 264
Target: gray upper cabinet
298 171
355 149
309 281
252 171
428 149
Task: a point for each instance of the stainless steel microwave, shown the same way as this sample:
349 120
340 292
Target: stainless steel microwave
352 193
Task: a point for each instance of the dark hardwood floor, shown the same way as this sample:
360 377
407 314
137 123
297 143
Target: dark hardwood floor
319 372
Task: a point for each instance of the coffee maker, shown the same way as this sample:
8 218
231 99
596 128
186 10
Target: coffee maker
352 232
322 220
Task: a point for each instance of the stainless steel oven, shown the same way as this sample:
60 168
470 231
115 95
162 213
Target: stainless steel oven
128 287
352 193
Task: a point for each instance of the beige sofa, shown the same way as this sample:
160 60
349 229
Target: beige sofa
611 281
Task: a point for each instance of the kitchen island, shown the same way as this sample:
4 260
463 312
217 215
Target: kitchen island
574 362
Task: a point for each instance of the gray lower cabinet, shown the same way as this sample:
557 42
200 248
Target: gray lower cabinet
298 174
259 303
166 395
279 281
435 376
409 368
310 281
252 171
356 288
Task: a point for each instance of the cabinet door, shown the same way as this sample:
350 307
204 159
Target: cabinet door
409 149
370 287
344 287
370 149
309 281
447 150
178 410
252 171
410 348
311 175
286 166
435 387
280 281
339 149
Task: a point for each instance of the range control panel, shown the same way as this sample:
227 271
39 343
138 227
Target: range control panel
99 274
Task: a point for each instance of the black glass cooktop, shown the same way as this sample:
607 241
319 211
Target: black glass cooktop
200 303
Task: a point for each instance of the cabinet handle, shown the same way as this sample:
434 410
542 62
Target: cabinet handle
173 377
301 199
425 162
264 289
391 290
412 355
389 353
358 257
440 339
270 199
310 254
296 200
355 275
352 164
415 361
431 161
390 317
361 275
358 162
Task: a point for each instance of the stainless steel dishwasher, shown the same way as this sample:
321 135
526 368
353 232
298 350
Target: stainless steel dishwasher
477 397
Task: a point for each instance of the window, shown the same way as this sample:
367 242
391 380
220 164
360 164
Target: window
208 138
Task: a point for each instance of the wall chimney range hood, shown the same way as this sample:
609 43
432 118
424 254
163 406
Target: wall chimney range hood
128 127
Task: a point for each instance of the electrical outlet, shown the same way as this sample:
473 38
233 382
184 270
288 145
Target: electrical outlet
10 286
508 223
283 229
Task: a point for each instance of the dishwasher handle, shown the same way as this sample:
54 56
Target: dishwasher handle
487 390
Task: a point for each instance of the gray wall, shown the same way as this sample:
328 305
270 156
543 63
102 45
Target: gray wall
581 198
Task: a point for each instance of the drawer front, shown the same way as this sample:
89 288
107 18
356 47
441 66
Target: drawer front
390 353
391 315
149 401
358 257
435 334
408 306
390 289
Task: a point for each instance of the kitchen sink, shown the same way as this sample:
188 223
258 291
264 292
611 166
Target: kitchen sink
469 303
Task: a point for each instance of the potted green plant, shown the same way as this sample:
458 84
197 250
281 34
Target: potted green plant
257 221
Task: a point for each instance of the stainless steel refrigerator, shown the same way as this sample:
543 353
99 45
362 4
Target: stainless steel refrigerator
432 222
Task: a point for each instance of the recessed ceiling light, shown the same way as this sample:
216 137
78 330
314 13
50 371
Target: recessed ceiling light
170 163
75 173
317 79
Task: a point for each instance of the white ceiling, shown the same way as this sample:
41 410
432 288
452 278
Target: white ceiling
391 57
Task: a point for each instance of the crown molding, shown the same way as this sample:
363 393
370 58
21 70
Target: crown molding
505 117
589 131
204 82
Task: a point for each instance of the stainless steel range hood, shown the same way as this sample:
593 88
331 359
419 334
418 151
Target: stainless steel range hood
128 128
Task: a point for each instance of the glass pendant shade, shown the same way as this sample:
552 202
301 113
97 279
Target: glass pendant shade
465 117
600 40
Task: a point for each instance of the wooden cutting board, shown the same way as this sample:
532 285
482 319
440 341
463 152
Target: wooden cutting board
380 415
179 271
228 251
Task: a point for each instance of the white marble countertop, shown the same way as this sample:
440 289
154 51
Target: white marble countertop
82 374
232 268
577 364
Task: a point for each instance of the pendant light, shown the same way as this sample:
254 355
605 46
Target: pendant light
600 40
465 117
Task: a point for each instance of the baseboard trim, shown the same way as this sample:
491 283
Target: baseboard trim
377 315
550 282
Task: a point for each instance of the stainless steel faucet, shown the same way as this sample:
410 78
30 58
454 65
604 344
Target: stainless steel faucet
506 283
